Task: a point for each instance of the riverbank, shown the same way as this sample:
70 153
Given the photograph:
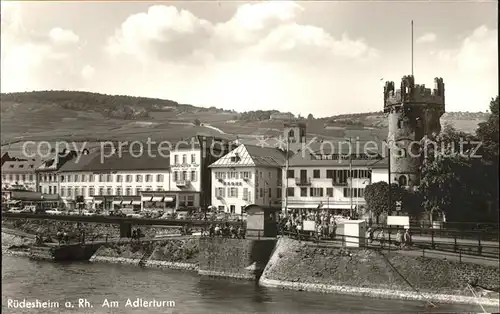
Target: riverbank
290 264
299 266
180 254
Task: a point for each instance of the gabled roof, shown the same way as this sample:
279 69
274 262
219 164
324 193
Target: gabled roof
20 166
124 161
362 156
251 156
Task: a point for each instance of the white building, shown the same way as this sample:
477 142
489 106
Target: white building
321 178
189 164
20 174
108 182
247 175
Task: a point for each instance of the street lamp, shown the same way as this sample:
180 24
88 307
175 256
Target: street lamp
349 140
389 173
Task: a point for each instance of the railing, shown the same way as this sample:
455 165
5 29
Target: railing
302 181
478 235
440 244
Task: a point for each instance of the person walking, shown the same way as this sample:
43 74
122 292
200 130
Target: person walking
381 237
399 239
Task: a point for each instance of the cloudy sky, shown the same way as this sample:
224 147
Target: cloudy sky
306 57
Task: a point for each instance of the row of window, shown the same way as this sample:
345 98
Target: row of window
18 177
325 192
82 191
185 176
363 156
109 178
339 176
235 175
233 192
184 159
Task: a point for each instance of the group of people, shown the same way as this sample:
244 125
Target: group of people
325 224
226 230
402 239
137 234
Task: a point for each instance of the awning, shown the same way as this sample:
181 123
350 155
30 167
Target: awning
168 199
136 203
324 206
13 201
146 199
336 206
117 202
302 206
157 199
97 201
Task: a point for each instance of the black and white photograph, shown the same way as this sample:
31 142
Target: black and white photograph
250 157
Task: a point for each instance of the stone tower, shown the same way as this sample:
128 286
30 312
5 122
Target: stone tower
414 112
296 133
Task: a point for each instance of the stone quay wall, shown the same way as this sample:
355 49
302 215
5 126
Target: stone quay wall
226 257
171 253
299 266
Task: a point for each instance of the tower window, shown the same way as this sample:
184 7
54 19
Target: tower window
400 124
402 153
403 181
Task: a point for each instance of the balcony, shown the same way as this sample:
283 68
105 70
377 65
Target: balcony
219 197
338 183
182 183
279 183
302 181
220 180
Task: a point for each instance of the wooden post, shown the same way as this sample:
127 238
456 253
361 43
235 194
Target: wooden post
389 240
455 248
479 249
432 239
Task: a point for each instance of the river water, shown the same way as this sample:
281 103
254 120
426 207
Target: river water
23 278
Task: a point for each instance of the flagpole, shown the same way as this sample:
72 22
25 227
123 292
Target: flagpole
286 174
411 47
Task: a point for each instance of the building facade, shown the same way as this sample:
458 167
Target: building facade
189 164
20 174
247 175
323 179
103 183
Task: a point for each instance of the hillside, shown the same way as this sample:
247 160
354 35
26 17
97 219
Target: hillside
84 116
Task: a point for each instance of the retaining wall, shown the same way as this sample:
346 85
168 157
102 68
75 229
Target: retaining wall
226 257
299 266
170 253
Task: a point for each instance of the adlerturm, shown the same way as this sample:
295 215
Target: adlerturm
414 112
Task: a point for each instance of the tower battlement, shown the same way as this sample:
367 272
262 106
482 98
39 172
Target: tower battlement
412 93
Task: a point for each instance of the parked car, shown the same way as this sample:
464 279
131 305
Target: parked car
29 209
55 211
135 215
86 212
16 210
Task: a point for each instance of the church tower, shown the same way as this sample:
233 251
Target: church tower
414 112
296 135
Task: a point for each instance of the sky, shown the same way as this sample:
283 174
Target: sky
324 58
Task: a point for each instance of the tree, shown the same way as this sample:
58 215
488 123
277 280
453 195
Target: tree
487 132
457 183
377 198
197 122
